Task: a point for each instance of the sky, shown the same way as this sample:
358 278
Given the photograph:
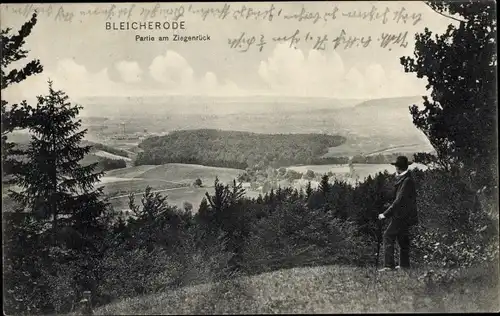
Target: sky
85 59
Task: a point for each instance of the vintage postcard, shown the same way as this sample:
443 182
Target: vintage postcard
249 157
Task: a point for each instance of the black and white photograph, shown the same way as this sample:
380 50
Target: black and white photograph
199 158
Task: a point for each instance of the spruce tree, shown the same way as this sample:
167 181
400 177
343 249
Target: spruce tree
309 190
52 181
324 185
14 116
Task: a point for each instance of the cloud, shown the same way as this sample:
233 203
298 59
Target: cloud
171 70
174 73
73 78
129 71
291 72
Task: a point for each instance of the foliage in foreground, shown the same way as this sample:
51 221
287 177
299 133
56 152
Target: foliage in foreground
160 247
459 118
326 289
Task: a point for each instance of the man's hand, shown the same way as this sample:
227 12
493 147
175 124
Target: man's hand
381 216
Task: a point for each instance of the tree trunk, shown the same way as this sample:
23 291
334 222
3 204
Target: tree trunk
53 197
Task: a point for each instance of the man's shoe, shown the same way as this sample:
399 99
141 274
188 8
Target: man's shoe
385 269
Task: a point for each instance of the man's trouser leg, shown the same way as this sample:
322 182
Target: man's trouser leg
390 236
404 247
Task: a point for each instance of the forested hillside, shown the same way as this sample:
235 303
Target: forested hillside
235 149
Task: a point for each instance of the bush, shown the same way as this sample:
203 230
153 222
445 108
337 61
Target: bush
293 175
455 229
309 175
106 164
145 270
294 235
188 207
162 247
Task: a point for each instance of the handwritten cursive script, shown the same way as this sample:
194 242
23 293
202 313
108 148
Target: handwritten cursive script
221 11
324 41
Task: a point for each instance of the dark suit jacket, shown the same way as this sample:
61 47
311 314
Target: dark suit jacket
404 207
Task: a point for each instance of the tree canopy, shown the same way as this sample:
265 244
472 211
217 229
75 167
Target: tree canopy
459 117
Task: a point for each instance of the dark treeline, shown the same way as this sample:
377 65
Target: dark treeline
241 150
109 149
235 149
105 164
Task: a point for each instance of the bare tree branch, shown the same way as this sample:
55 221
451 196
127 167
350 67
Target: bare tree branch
446 16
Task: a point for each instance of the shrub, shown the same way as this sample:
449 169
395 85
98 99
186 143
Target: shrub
188 207
294 235
455 230
106 164
309 175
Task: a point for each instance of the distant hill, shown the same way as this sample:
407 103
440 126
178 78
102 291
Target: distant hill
378 125
24 138
105 155
385 103
234 149
130 107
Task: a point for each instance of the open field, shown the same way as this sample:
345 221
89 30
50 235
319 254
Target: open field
126 186
105 154
368 146
172 180
175 196
324 289
362 170
130 172
176 172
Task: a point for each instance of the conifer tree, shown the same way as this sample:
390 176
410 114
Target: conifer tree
309 190
14 116
52 181
324 185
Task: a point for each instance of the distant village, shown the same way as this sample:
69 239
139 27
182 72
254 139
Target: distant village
263 181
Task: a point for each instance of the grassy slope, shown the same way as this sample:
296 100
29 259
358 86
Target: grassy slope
137 185
326 289
177 173
158 178
105 154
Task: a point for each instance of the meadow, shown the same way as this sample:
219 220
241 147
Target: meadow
173 180
323 289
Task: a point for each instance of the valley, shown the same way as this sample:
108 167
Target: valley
228 134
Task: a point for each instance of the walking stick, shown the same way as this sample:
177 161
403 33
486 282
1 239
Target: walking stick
379 241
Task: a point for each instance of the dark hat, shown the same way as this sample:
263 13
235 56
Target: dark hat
401 162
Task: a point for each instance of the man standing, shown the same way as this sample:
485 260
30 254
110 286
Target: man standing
403 214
